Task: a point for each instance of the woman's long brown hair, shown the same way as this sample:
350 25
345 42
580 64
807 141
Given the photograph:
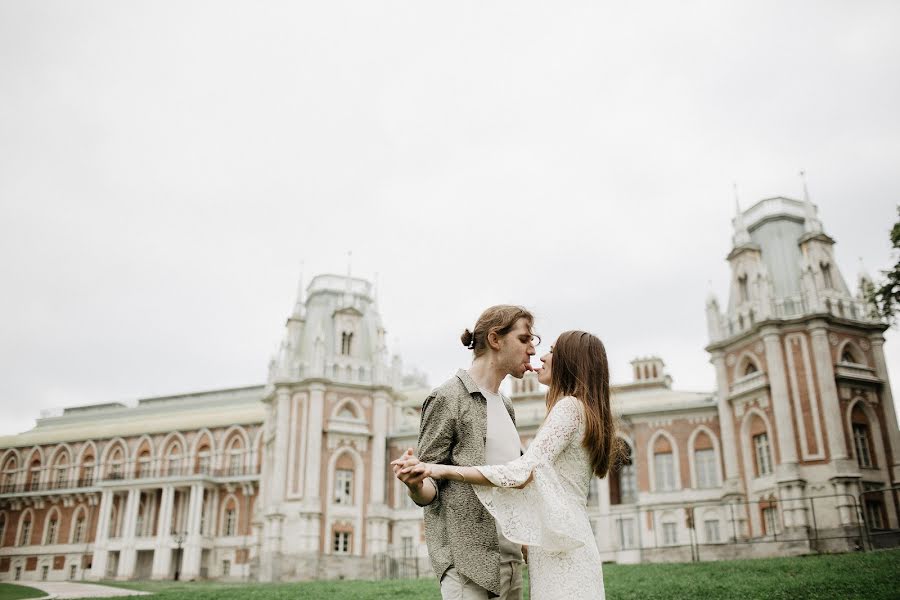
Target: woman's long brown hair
580 369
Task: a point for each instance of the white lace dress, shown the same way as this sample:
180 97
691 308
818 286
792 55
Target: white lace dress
549 515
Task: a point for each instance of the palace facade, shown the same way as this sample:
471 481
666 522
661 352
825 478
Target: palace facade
290 480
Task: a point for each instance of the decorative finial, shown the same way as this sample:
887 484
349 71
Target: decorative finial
737 202
812 224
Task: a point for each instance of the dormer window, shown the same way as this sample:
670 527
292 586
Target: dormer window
826 276
743 291
346 343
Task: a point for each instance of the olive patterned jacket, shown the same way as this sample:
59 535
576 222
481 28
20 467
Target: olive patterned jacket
458 530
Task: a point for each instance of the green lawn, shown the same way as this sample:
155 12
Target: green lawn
861 576
9 591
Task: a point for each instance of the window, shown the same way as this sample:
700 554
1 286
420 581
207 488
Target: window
229 523
874 514
25 538
670 534
826 276
625 529
2 528
61 476
770 520
627 484
711 531
705 465
18 573
750 369
226 568
45 570
861 440
143 466
34 479
343 486
234 458
88 473
203 461
341 542
52 527
763 454
173 464
72 570
742 289
664 471
847 356
407 545
346 342
78 532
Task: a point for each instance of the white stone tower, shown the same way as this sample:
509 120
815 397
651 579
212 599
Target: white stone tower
329 398
800 369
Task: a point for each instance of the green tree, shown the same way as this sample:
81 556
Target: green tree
886 294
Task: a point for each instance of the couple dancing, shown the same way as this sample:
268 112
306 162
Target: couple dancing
486 503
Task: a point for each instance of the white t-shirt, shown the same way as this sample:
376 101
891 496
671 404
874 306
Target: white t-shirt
501 446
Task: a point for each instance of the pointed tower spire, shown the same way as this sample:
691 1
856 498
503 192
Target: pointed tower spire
812 223
300 304
741 235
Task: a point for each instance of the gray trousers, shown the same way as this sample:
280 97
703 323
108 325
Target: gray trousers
456 586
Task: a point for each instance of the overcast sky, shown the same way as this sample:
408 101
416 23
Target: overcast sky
166 167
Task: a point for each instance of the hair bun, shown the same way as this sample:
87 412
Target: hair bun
466 338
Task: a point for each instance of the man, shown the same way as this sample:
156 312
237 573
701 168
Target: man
466 421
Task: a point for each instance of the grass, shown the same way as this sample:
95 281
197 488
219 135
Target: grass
861 576
9 591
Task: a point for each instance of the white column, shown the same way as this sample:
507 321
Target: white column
732 482
162 553
312 481
887 405
192 551
101 555
379 429
128 553
781 404
831 406
282 435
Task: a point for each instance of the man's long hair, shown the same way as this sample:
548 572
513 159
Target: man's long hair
580 369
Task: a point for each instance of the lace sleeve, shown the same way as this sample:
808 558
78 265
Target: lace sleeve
558 431
540 514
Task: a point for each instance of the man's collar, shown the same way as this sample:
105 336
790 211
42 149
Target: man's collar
468 382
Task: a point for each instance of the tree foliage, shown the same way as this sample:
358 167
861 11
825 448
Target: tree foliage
885 295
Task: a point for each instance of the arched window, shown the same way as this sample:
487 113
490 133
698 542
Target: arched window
116 468
343 480
862 442
204 460
623 480
143 466
173 460
826 276
229 518
25 529
61 470
87 471
9 475
663 465
705 466
346 343
743 291
34 474
750 368
78 526
762 453
235 457
2 529
51 530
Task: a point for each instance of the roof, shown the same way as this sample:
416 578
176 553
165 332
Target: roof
217 408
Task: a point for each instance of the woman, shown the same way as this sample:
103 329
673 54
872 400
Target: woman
540 499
